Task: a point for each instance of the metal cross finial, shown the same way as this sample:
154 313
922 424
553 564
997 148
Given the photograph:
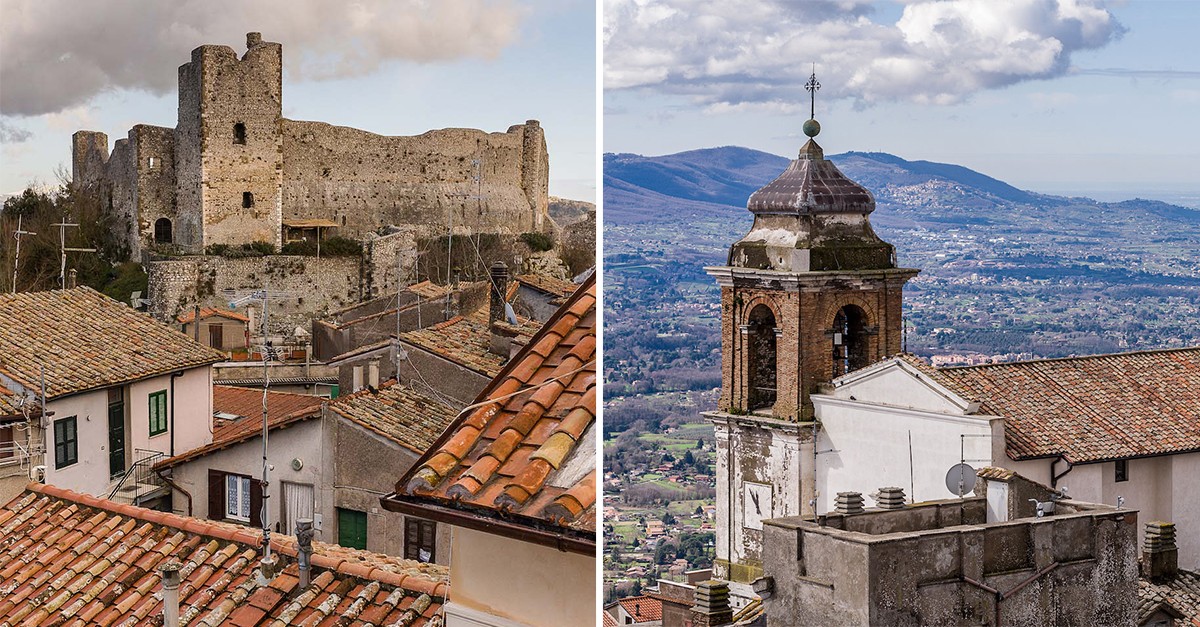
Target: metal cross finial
811 87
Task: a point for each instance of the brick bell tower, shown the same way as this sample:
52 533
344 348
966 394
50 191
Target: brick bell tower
809 294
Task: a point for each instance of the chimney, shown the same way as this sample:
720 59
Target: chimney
72 278
304 536
499 291
170 593
373 374
1160 556
357 382
501 343
712 604
890 498
848 503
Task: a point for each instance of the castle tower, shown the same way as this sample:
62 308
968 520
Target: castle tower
809 294
229 144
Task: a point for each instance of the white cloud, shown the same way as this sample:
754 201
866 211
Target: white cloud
738 53
57 54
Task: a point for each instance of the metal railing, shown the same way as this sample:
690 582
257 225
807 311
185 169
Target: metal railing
142 474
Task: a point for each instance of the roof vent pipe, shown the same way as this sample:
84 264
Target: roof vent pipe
304 536
170 594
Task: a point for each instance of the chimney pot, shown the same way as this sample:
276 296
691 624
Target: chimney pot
499 291
1160 555
357 381
848 503
170 583
373 374
890 498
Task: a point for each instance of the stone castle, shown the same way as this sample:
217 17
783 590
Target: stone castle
235 171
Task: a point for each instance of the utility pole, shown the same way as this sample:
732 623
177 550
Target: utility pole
63 250
17 258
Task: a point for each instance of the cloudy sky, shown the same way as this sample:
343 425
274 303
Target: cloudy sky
1052 95
395 67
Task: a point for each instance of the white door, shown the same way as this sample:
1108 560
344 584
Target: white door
298 501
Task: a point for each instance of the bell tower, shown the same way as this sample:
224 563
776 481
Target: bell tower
809 294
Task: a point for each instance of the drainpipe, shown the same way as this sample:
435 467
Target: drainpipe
1055 477
171 426
175 486
170 593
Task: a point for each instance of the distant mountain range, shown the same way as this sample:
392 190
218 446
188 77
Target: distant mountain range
639 188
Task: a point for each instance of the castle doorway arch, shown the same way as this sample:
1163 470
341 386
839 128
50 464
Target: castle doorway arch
162 231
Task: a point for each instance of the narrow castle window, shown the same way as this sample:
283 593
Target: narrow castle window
162 231
239 133
247 200
761 348
849 340
153 163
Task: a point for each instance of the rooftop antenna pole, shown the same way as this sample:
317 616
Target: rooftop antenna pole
63 250
17 258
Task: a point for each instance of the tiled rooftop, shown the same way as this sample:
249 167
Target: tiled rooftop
247 403
87 340
643 609
524 453
209 312
1091 408
397 412
71 559
13 405
282 408
466 340
1181 593
549 285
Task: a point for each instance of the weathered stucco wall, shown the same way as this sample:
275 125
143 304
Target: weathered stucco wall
307 287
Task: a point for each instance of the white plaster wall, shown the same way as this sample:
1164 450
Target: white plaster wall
863 447
1185 501
895 385
193 412
520 582
90 474
301 440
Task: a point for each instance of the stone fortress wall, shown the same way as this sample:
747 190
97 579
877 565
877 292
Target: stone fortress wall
233 169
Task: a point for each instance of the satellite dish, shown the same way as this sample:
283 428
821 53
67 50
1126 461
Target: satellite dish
960 477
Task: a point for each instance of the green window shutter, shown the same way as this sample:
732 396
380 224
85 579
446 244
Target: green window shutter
352 528
66 442
158 412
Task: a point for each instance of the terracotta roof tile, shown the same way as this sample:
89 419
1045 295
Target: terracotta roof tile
1090 409
547 392
283 408
210 312
397 412
95 342
466 340
1181 593
547 284
54 579
643 609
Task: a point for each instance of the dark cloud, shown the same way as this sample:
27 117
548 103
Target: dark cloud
56 54
742 53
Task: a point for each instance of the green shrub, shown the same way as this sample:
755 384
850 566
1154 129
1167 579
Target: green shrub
538 242
217 249
261 247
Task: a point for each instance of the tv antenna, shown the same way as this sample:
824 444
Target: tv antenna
17 258
63 250
269 353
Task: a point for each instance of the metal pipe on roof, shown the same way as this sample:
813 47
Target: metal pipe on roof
170 593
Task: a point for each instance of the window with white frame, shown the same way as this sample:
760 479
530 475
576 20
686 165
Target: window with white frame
237 498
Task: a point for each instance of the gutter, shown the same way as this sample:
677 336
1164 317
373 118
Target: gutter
396 503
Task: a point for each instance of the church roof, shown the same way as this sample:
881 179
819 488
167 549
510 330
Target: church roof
1091 409
811 184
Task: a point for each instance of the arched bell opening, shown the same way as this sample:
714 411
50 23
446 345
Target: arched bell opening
850 336
761 338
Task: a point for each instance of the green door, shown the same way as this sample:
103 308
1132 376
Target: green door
116 432
352 528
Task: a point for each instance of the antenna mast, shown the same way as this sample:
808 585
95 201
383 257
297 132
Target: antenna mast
17 258
63 250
